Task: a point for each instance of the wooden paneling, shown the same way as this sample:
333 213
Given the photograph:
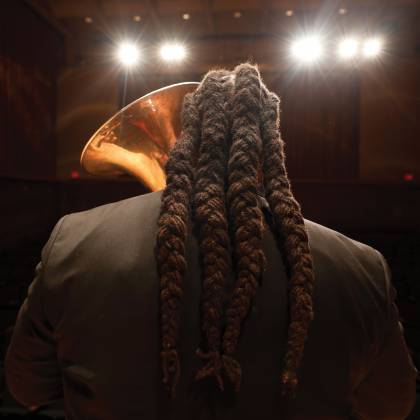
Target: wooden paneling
320 124
28 209
88 96
390 123
361 207
28 68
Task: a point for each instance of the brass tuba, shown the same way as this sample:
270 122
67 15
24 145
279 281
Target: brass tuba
137 139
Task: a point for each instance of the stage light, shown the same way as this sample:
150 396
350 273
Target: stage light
289 13
88 20
128 54
307 49
348 48
342 11
137 18
237 15
372 47
186 16
173 52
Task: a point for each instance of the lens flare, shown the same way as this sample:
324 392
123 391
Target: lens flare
307 49
172 52
348 48
128 54
372 47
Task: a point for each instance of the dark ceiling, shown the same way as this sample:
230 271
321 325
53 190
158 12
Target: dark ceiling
225 31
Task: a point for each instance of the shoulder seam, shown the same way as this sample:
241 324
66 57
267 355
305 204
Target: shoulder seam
387 284
53 237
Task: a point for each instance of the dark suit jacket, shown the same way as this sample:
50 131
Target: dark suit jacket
89 330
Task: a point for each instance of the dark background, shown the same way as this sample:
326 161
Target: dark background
352 130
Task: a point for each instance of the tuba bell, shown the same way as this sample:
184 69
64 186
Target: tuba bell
137 140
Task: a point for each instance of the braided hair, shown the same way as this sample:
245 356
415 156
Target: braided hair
230 131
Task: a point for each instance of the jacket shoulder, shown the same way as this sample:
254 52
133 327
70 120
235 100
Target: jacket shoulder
146 203
356 274
114 233
328 242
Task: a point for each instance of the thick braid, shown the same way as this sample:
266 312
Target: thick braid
211 217
290 226
206 133
171 237
244 213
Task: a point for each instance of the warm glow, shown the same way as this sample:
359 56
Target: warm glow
128 54
173 52
372 47
408 177
307 49
348 48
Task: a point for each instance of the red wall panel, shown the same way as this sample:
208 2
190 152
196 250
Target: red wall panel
30 52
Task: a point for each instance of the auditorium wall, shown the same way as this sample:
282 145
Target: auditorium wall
350 124
28 70
389 121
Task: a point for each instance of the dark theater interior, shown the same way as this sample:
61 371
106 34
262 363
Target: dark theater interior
347 73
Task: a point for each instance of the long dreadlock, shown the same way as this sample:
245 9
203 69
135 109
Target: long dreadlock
211 217
230 129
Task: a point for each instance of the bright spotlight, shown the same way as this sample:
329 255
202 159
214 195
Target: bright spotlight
307 49
172 52
128 54
348 48
372 47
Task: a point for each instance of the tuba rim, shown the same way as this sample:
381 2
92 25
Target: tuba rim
171 96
